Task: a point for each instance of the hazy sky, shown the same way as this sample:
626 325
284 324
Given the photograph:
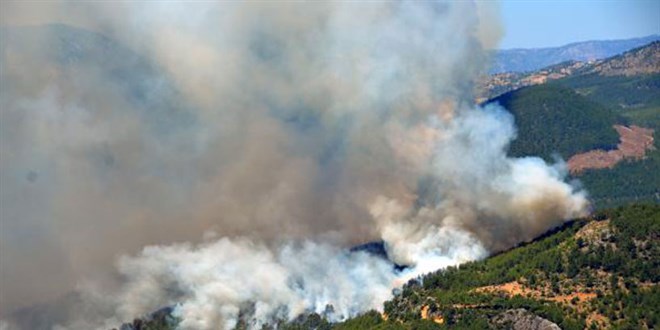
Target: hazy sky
530 23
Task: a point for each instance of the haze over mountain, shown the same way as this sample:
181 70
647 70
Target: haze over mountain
530 59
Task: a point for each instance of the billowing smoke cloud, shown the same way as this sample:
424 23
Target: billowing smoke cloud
290 130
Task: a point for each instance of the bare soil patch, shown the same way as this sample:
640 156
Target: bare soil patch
514 288
634 142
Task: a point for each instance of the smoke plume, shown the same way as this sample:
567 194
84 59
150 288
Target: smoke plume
222 157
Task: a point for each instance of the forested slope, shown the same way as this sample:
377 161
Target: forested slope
600 272
552 119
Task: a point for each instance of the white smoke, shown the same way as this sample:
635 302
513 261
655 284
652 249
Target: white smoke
213 283
293 130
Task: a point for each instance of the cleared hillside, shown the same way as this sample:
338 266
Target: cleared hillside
629 181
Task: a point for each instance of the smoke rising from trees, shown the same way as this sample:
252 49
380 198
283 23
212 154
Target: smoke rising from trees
286 132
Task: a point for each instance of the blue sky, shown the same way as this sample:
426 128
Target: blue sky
543 23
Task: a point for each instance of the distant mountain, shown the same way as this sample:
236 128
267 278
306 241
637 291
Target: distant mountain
525 60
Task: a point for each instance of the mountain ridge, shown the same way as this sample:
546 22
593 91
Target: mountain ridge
530 59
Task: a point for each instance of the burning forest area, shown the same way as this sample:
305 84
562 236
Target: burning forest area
222 165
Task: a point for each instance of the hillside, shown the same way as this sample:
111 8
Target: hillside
642 62
599 272
594 273
621 90
497 84
635 143
554 119
524 60
639 61
628 181
629 83
635 97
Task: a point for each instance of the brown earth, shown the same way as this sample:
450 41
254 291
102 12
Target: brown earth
634 142
514 288
577 300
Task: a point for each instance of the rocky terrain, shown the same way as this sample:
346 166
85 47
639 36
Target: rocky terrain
521 319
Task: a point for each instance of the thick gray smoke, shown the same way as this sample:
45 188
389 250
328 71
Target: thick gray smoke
282 132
